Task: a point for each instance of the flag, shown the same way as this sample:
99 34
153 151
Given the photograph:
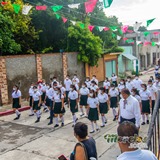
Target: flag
90 27
56 8
74 5
64 19
41 8
129 40
100 28
26 9
138 42
90 5
124 28
150 21
16 8
129 31
146 33
146 43
82 25
4 3
118 37
58 16
124 38
113 35
107 3
113 28
106 29
156 33
153 44
120 32
73 22
136 26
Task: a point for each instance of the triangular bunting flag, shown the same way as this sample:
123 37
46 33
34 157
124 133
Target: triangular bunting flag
156 33
56 8
16 8
146 43
113 28
118 37
124 38
136 26
138 42
129 31
73 22
74 5
106 29
26 9
146 33
64 19
129 40
4 3
107 3
82 25
150 21
100 28
58 16
41 8
124 28
90 5
120 32
113 35
90 27
153 44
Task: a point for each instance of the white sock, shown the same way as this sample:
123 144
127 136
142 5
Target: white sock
143 118
92 126
17 112
31 110
102 120
62 119
86 111
114 112
74 119
147 117
56 120
96 125
82 110
38 114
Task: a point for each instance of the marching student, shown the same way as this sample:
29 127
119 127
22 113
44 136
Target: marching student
55 80
93 106
103 105
152 79
73 103
63 90
153 92
146 103
30 99
113 96
58 107
36 102
114 79
16 101
137 83
135 94
43 91
75 82
88 82
47 100
94 87
84 92
106 85
121 86
94 79
67 84
129 84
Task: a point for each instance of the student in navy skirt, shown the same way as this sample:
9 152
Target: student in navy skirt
30 99
93 106
106 85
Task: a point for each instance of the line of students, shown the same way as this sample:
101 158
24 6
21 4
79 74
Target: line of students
53 97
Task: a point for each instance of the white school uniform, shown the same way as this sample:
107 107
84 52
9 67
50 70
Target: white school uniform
114 78
30 91
152 90
92 102
129 85
75 81
95 87
51 94
102 98
84 91
16 94
145 95
36 96
57 98
113 92
157 85
88 83
106 84
120 87
94 79
56 82
138 98
63 90
67 83
73 95
137 84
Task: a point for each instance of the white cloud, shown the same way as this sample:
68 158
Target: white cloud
130 11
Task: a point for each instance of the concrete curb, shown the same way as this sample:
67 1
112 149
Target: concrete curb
11 111
144 72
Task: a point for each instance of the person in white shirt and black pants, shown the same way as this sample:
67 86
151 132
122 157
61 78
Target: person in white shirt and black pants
30 99
145 95
103 105
129 109
16 97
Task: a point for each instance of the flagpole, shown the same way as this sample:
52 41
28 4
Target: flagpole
137 68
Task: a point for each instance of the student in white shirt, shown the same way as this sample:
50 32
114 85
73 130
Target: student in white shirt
30 99
121 86
94 79
58 107
47 101
145 95
125 131
137 83
93 110
84 92
103 105
36 102
88 82
43 91
73 103
113 97
129 84
94 87
75 80
106 85
157 83
55 80
16 101
153 92
67 84
114 79
129 109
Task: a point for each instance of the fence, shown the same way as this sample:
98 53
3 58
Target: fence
154 130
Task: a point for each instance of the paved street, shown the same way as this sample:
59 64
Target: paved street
25 140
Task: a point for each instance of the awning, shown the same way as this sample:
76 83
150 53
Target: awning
129 56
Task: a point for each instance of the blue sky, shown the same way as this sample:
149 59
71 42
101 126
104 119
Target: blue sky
130 11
